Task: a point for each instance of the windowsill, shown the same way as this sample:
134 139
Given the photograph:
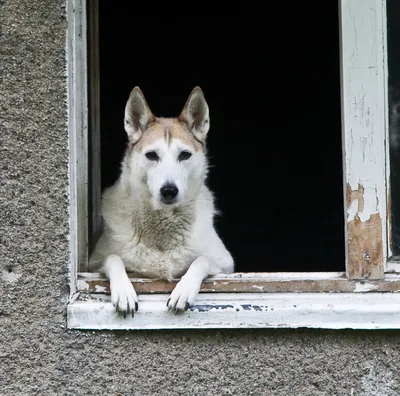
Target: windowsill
267 282
243 310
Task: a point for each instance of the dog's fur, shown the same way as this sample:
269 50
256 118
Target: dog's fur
147 229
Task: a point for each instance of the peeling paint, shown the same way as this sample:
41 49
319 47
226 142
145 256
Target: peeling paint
365 235
316 310
370 204
361 202
364 89
352 210
209 307
250 307
82 285
266 282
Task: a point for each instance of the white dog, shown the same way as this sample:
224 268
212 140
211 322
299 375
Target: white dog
158 216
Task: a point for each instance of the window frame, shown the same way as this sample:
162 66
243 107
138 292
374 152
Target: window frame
365 296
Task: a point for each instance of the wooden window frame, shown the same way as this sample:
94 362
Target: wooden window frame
365 296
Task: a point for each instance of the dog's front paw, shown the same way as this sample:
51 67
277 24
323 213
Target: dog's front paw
184 294
124 297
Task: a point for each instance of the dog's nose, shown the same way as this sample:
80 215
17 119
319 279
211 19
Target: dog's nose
169 191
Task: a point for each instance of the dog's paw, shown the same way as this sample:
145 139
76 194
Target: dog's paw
124 297
184 294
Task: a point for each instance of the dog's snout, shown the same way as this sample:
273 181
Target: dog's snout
169 191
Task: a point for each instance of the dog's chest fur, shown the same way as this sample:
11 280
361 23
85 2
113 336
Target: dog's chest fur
163 231
151 243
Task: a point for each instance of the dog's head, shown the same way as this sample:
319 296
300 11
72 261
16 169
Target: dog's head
166 156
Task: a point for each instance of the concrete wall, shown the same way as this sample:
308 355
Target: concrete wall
38 356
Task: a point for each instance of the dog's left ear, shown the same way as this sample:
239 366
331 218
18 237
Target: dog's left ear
137 115
196 114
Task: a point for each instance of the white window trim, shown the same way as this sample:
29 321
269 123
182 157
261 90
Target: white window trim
78 135
364 102
247 310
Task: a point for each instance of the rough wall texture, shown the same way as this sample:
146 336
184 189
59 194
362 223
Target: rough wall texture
38 356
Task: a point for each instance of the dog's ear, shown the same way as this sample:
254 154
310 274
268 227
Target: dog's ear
137 115
196 114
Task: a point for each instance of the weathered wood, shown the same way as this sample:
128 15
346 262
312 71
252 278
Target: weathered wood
77 133
365 246
363 72
260 284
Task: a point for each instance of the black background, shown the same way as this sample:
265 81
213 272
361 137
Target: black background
393 15
271 79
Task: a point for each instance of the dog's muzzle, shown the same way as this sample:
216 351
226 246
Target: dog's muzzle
169 192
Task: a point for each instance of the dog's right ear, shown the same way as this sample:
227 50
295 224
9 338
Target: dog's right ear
137 115
196 114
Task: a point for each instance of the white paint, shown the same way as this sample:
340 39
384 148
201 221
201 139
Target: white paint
100 289
393 267
370 204
82 285
247 310
364 112
364 287
77 131
352 211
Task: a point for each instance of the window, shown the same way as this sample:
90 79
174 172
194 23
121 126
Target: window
317 249
266 109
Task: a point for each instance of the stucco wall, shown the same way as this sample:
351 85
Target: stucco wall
38 356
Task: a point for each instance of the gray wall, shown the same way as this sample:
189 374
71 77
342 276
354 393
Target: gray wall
38 356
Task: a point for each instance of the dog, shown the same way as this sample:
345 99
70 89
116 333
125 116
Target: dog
158 216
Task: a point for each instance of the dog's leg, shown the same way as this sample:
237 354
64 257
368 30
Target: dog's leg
188 287
216 261
123 295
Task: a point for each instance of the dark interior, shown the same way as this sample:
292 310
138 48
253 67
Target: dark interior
393 36
271 79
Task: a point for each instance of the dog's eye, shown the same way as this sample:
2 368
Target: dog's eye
184 155
152 156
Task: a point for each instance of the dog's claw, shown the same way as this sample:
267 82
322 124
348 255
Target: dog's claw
174 308
124 298
126 311
184 294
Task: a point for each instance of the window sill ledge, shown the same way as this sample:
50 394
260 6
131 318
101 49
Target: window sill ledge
243 310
